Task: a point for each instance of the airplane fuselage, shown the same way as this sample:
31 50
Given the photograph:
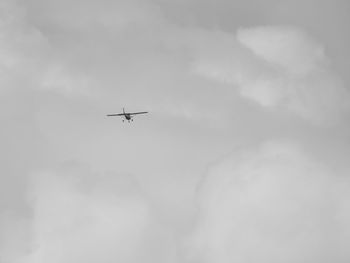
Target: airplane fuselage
127 116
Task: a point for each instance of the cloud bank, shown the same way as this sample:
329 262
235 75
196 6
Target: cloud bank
65 64
78 217
268 204
272 204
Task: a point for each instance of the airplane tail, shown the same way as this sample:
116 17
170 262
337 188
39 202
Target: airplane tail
123 111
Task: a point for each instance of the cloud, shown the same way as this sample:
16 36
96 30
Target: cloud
288 47
81 217
272 204
279 68
65 64
14 236
91 16
29 60
20 47
64 48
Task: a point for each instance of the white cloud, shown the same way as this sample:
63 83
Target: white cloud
28 60
14 236
81 217
103 55
51 46
277 67
287 47
21 47
274 204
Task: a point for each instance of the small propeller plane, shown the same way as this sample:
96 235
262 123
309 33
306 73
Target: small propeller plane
127 115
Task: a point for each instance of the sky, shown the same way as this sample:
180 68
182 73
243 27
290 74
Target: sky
243 157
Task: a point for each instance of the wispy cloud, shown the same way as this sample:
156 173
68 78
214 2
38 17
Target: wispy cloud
286 69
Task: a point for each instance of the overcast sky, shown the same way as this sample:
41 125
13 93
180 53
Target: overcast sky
243 157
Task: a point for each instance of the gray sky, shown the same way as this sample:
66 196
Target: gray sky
244 156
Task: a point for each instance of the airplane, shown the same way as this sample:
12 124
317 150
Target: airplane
127 115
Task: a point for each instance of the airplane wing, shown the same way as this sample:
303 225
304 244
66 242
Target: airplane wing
141 112
119 114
